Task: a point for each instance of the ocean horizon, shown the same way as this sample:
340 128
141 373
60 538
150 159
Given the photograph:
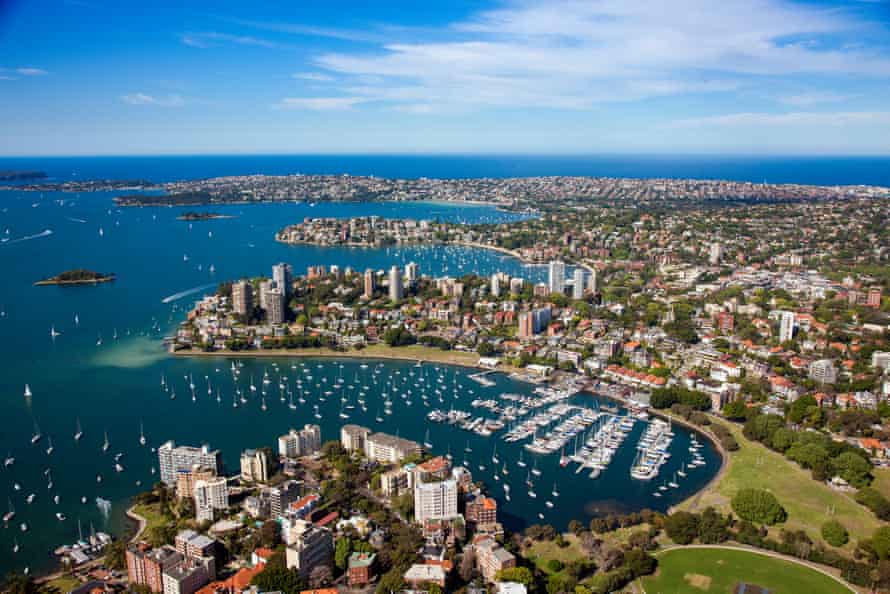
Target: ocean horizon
815 170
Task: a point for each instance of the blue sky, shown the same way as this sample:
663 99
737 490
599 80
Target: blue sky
88 77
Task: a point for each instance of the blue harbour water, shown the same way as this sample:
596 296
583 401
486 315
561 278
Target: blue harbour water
115 386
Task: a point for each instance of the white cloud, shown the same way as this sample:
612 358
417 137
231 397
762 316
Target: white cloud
808 119
212 38
814 98
320 103
31 71
144 99
574 54
313 76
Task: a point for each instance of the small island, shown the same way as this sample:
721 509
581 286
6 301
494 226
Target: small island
202 216
77 276
21 175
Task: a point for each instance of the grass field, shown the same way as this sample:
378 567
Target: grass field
882 481
411 353
542 552
717 571
807 502
63 583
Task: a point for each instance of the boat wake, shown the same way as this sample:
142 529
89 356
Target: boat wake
44 233
186 293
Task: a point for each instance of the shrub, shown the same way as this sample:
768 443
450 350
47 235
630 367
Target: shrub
874 501
682 527
756 505
834 533
554 565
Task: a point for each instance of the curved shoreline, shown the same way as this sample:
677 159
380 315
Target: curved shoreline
392 354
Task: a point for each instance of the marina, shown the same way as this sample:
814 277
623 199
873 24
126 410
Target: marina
106 374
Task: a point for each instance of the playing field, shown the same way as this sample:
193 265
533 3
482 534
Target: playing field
694 571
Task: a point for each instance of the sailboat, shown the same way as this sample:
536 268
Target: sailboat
49 447
520 462
8 516
554 492
682 471
106 444
76 320
673 484
53 333
468 448
36 437
27 391
535 470
78 432
9 460
426 441
494 454
141 434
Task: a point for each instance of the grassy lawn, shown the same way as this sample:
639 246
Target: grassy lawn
152 515
63 583
882 481
381 351
693 571
542 552
806 501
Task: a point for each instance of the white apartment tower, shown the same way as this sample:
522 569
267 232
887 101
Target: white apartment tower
578 286
556 276
395 284
435 501
786 326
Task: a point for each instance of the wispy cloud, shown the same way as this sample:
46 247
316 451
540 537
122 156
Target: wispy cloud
804 118
208 39
145 99
368 36
815 98
16 73
575 54
313 76
320 103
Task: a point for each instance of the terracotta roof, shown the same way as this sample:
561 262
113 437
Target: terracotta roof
236 583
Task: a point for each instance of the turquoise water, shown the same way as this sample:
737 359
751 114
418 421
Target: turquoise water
115 386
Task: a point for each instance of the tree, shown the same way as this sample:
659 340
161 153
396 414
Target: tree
391 582
880 542
757 505
320 576
115 554
873 500
682 527
639 562
485 349
520 575
269 533
834 533
276 577
853 468
736 410
342 550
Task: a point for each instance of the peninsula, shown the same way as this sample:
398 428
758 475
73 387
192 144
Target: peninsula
78 276
516 194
